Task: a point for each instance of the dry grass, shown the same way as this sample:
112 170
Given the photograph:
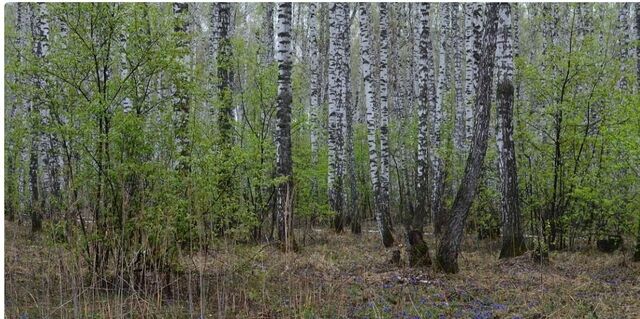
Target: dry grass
334 276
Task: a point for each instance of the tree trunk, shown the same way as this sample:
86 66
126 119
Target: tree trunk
512 239
384 124
473 33
637 7
457 42
267 38
314 94
337 22
222 35
418 251
284 163
352 213
636 255
451 238
625 39
437 165
366 70
40 34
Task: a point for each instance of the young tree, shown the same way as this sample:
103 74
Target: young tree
284 163
512 239
384 224
451 238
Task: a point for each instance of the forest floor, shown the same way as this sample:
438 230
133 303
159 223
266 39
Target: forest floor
333 276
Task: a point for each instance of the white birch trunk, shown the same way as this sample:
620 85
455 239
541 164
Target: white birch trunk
337 21
314 94
457 42
384 115
40 33
637 7
437 118
366 70
473 33
625 40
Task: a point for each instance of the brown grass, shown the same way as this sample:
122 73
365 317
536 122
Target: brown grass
333 276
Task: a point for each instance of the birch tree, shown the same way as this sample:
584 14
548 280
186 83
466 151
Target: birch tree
384 225
351 194
384 121
473 34
437 118
451 237
267 38
636 255
284 163
625 37
418 249
337 21
40 33
637 10
457 43
314 89
14 149
512 239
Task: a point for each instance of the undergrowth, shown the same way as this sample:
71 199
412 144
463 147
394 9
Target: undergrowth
333 276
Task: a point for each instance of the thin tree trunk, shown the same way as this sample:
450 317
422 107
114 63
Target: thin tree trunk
384 120
625 40
457 42
636 255
637 7
314 94
451 238
267 39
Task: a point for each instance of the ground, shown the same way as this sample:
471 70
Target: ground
333 276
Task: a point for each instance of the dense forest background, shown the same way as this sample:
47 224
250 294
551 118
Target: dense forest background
144 142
